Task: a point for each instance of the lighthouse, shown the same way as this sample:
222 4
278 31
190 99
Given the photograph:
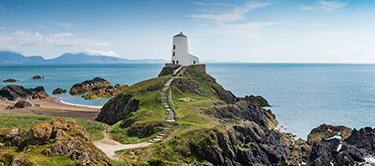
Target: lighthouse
180 51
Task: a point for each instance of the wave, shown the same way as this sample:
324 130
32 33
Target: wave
79 105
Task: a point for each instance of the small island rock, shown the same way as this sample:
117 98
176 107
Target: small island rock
88 85
10 80
59 91
13 92
37 77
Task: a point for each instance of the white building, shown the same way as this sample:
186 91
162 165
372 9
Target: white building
180 51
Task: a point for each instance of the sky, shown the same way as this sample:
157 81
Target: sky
308 31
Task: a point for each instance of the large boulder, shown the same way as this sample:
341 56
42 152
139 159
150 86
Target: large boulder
88 85
118 108
13 92
326 131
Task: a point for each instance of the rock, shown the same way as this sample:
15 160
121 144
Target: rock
59 91
244 109
10 80
256 100
327 131
247 144
88 85
37 77
18 161
118 108
105 92
223 94
21 104
188 85
13 92
363 139
324 152
60 137
299 153
168 69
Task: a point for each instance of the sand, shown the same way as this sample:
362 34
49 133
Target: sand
52 107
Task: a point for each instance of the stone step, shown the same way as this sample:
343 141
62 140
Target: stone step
157 139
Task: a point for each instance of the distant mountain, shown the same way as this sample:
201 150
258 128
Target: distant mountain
7 57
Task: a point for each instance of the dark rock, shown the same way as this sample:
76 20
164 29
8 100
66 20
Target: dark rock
118 108
88 85
324 152
256 100
21 104
144 130
327 131
37 77
59 91
10 80
223 94
363 139
247 144
13 92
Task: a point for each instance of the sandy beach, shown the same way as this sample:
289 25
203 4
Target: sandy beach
52 107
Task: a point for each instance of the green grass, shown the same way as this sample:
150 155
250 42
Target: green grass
35 157
94 128
21 120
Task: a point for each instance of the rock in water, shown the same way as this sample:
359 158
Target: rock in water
105 92
13 92
88 85
59 91
10 80
326 131
37 77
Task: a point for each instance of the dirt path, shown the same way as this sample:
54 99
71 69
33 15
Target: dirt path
110 146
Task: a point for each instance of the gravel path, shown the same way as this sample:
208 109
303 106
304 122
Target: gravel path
110 146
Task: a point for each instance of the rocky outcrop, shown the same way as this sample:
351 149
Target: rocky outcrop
168 69
105 92
97 88
326 131
118 108
256 100
37 77
59 91
13 92
88 85
61 138
247 144
20 104
10 80
245 109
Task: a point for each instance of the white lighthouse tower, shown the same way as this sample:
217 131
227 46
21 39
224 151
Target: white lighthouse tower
180 51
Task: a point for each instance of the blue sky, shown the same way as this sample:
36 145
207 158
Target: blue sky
221 30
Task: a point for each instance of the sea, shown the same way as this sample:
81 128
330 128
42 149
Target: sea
302 96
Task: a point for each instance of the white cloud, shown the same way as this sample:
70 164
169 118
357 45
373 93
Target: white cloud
325 6
102 52
27 38
236 14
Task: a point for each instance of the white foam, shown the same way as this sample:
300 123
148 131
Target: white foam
78 105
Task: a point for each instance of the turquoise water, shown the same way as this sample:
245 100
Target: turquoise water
302 96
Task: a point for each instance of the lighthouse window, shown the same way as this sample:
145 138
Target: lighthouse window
174 46
173 62
176 62
193 62
174 54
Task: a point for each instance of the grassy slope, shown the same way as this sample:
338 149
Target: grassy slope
149 112
192 124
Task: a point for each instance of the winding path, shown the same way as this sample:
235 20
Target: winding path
110 146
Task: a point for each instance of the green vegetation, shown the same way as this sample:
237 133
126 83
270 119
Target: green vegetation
94 128
21 120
